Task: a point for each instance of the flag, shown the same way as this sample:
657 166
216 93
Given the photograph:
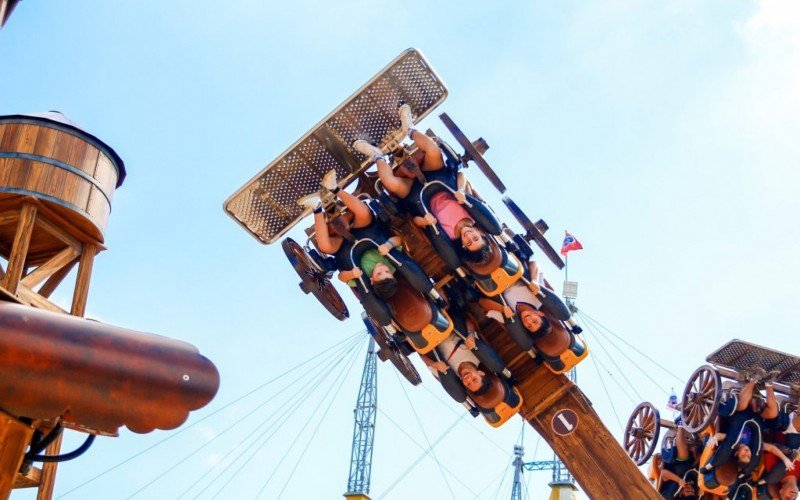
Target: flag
672 403
570 243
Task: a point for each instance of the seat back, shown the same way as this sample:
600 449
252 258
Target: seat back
410 308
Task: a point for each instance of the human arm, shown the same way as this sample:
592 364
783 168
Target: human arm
439 366
362 215
671 476
491 305
428 220
352 274
392 242
781 456
461 186
325 242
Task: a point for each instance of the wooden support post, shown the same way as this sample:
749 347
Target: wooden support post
564 417
83 279
14 438
19 251
48 480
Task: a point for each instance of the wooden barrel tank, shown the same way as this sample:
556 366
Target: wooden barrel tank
70 171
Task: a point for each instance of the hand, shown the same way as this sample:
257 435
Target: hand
357 273
789 464
507 312
469 342
681 483
495 315
712 441
460 196
440 366
430 219
385 248
535 288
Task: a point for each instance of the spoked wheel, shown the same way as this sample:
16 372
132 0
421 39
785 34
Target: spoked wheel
389 350
472 153
314 280
701 398
641 433
533 233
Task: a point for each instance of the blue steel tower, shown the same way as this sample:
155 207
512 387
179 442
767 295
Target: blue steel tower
364 430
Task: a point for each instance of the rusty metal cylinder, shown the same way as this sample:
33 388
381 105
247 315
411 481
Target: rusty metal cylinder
98 376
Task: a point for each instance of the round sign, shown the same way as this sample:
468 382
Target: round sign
564 422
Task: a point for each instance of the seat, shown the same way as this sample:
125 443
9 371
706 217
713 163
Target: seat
498 273
425 325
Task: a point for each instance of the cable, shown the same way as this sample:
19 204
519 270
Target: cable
638 367
288 414
634 348
424 434
187 427
613 378
319 424
610 401
419 459
619 370
333 357
421 447
500 476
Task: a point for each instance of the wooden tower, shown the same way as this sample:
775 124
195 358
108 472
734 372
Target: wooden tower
56 186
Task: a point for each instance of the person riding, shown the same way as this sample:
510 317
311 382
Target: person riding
677 462
425 180
352 234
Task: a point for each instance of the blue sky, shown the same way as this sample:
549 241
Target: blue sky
662 134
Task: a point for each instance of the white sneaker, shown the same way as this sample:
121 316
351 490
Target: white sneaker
406 120
310 201
329 181
367 149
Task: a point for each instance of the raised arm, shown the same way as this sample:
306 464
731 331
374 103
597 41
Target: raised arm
361 212
325 242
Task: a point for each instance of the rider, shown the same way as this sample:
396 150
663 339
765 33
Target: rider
674 483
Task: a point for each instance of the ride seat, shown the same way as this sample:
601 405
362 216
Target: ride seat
424 324
496 414
574 354
498 273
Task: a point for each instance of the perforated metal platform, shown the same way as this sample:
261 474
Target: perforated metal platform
267 205
739 355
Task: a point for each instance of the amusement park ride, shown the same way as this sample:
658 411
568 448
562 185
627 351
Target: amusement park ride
267 208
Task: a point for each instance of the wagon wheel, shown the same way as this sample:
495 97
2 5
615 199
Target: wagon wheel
391 351
701 398
314 280
472 153
641 433
533 232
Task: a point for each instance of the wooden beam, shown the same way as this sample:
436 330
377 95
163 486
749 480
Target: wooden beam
48 480
19 252
30 479
47 269
59 233
52 283
14 437
82 282
31 298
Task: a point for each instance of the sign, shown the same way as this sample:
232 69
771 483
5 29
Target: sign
564 422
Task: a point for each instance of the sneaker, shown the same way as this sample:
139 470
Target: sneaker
367 149
771 376
757 374
406 119
311 201
329 181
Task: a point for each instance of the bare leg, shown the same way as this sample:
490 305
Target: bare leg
395 185
325 242
745 395
433 155
362 213
771 411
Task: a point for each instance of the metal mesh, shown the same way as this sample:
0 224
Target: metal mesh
738 355
267 205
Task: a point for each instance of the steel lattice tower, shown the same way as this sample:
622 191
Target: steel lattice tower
364 429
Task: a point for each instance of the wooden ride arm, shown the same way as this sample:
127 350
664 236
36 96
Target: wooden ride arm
98 377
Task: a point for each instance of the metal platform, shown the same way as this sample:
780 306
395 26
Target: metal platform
739 355
267 205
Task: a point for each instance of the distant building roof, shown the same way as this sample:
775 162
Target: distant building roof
6 6
61 121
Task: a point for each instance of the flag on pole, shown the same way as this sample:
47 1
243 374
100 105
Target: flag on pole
570 243
672 403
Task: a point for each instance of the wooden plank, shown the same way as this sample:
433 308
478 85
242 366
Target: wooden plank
58 232
52 283
19 251
14 438
49 470
83 280
30 479
44 271
31 298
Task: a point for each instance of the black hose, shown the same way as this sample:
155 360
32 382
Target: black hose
40 445
66 456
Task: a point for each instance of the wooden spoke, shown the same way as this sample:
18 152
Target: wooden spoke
314 280
642 433
701 398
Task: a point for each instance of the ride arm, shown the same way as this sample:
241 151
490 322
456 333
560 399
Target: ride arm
391 182
325 242
361 212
